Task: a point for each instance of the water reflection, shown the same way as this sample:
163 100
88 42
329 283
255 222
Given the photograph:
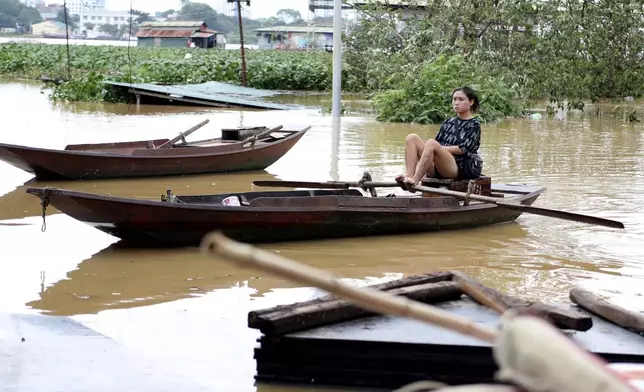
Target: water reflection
118 277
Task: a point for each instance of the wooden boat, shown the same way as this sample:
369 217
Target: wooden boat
275 216
162 157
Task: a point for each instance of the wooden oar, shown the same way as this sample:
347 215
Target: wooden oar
183 135
572 216
324 185
260 135
365 297
618 315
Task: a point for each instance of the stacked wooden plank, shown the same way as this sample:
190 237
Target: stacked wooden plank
329 342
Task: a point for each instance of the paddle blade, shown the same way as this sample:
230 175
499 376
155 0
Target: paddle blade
571 216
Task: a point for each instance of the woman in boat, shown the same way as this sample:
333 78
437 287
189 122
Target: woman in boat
453 154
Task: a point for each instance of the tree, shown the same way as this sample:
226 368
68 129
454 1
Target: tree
124 30
268 22
110 29
13 13
8 21
89 26
290 16
560 50
201 11
141 16
167 13
72 20
29 16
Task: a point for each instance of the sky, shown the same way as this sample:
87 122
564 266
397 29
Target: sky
258 8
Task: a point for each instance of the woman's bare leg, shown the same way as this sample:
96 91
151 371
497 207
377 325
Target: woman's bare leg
435 157
413 150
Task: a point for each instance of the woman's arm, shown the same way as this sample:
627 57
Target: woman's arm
472 140
454 150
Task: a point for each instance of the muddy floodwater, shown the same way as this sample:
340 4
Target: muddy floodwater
189 311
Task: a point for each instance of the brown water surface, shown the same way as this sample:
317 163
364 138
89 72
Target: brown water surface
179 306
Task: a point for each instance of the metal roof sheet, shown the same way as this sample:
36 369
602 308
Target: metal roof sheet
214 92
165 33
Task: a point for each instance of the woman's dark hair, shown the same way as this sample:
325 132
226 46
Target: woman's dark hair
471 95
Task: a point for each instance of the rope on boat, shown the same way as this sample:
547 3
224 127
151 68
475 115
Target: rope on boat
44 203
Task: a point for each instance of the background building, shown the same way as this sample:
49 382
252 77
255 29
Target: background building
49 29
179 34
77 7
97 18
295 37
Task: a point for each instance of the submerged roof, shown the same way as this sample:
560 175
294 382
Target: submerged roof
210 93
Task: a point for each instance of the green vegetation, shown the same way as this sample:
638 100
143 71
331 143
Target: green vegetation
91 65
562 51
15 14
427 98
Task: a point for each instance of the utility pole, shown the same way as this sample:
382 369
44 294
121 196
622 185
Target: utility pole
241 36
337 59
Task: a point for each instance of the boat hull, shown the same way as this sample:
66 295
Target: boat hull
156 223
47 164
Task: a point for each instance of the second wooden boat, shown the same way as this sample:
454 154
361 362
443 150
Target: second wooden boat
234 151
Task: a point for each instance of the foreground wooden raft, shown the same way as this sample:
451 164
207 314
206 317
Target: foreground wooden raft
456 346
439 287
427 288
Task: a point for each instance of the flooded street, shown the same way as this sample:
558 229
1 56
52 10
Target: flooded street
180 307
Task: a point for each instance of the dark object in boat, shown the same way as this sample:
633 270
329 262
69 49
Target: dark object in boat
146 159
274 216
389 352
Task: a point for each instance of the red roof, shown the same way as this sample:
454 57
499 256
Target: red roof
165 33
